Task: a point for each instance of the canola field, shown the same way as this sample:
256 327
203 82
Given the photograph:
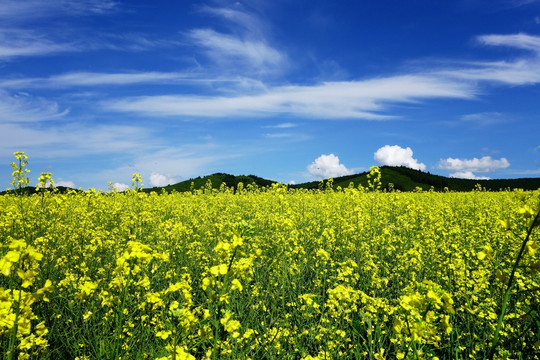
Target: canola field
270 273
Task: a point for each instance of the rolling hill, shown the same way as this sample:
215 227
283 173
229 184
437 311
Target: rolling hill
401 178
398 178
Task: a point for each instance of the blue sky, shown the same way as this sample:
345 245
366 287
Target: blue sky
291 90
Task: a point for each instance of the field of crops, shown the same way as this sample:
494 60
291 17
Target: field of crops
270 274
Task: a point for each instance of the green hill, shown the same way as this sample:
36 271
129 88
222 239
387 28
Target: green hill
406 179
401 178
398 178
216 180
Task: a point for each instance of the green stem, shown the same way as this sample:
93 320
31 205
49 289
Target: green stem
506 295
13 336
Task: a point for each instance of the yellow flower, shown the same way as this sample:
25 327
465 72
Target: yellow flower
27 277
231 326
87 315
526 211
163 334
217 270
236 285
206 283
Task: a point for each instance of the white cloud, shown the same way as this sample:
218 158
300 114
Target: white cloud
281 126
16 42
520 41
20 11
279 135
157 179
484 119
330 100
519 72
187 161
483 165
467 175
397 156
68 140
120 187
98 79
244 48
524 70
18 16
326 166
65 183
253 25
224 48
22 107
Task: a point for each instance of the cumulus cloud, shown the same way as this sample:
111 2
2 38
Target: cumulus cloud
397 156
483 165
327 166
120 187
66 183
157 179
467 175
465 168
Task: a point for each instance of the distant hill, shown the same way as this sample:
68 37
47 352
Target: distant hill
216 180
406 179
401 178
29 190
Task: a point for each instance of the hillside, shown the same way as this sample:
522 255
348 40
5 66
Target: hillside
216 180
402 178
406 179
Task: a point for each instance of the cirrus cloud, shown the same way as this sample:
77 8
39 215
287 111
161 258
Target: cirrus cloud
364 99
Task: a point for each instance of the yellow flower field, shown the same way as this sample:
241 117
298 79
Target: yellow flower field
270 274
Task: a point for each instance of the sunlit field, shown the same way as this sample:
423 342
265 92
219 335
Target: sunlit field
269 273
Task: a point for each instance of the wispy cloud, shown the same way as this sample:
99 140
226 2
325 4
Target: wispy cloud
524 70
289 137
22 11
22 107
519 41
484 119
252 25
98 79
245 48
226 49
69 140
24 33
286 125
16 42
332 100
519 3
